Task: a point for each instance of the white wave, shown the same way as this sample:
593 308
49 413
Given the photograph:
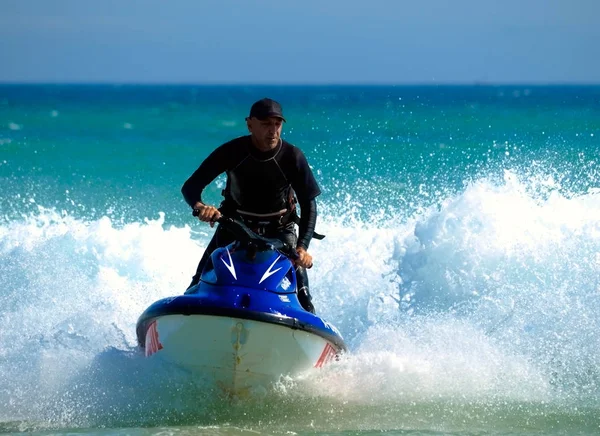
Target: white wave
493 295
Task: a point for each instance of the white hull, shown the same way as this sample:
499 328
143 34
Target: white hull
240 356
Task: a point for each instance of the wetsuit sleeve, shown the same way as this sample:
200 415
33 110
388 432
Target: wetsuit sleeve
308 220
307 189
304 183
215 164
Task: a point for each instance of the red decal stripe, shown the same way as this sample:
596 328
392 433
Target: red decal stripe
152 342
327 354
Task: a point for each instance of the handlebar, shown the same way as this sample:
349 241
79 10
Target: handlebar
243 233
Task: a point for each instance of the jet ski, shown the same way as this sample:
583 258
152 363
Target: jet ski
242 326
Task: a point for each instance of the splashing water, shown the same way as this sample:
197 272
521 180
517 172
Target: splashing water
487 302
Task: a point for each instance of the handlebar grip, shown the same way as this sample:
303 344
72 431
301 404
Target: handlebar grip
290 252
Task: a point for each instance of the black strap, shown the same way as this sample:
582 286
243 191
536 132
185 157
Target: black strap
228 208
318 236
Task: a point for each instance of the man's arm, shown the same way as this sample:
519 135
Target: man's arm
307 189
209 169
308 220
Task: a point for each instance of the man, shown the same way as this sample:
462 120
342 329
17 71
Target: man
265 174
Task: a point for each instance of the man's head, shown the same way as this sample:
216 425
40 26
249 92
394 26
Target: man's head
264 123
266 108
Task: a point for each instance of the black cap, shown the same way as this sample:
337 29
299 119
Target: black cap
266 108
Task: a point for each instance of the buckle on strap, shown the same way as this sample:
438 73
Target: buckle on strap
266 216
260 223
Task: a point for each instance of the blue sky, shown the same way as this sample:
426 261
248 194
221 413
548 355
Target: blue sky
300 41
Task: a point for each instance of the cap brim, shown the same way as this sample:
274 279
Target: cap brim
275 115
271 116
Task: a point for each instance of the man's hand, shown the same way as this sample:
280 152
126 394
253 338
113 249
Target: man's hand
208 214
304 258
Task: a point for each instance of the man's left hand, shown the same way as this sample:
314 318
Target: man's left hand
304 258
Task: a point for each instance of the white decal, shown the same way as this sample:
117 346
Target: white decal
229 266
268 273
285 283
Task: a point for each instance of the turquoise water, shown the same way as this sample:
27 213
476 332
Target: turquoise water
461 261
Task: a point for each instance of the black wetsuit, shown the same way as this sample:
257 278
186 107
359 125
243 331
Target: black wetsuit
260 183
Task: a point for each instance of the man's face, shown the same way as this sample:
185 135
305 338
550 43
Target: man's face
265 133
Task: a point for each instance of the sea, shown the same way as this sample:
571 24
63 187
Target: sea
461 261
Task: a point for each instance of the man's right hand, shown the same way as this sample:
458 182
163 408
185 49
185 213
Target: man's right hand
304 258
208 214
